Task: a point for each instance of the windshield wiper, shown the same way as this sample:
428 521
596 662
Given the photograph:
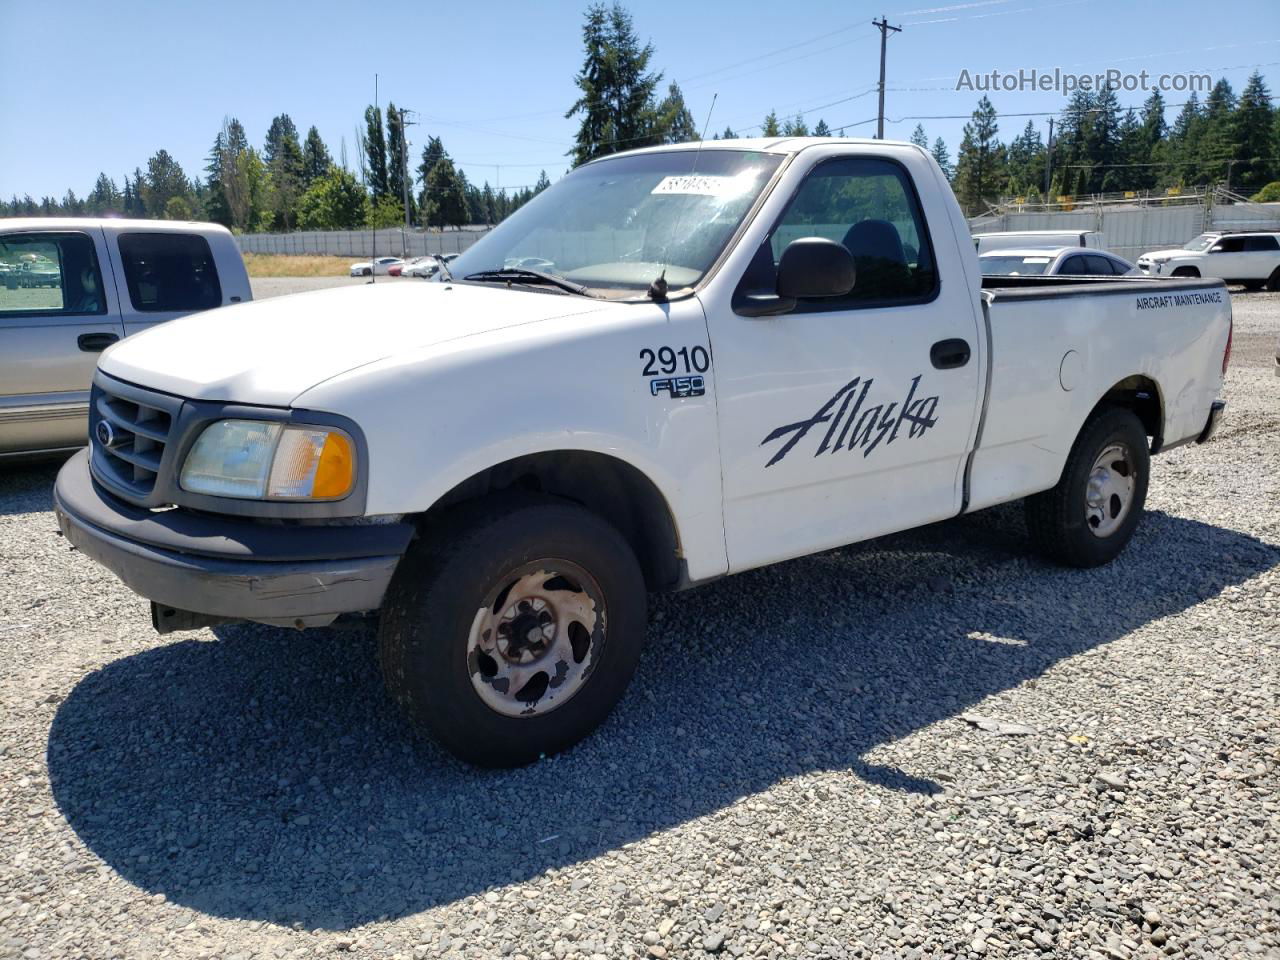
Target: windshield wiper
526 275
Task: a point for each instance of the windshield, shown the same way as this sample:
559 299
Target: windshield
614 225
1016 266
1200 243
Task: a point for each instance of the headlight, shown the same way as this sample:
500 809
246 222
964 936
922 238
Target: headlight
260 460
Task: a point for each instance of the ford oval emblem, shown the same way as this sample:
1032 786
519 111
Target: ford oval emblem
104 434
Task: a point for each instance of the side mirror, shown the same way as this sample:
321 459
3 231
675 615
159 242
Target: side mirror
815 268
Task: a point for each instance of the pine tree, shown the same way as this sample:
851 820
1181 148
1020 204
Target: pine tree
282 154
674 118
432 154
919 138
235 175
1256 164
770 128
375 149
1104 141
1026 159
1153 147
979 166
616 88
822 130
446 203
164 181
315 158
395 143
728 134
1217 141
104 198
1184 143
795 127
542 183
942 157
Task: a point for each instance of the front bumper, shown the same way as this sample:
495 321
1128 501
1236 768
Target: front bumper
227 567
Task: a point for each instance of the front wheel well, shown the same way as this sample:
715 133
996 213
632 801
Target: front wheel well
611 488
1141 395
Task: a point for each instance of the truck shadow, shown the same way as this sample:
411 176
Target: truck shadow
27 486
264 775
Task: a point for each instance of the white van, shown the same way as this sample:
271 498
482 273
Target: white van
1039 238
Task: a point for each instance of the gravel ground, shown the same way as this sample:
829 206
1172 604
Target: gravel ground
929 746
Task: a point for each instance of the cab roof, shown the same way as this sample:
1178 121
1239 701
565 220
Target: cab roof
781 145
17 224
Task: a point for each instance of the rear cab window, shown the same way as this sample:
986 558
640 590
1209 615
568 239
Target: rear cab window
50 275
168 272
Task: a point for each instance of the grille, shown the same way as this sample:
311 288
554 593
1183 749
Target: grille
138 427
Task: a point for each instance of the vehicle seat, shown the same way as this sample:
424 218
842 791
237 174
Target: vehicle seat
879 258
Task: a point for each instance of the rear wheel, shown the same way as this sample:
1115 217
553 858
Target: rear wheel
1273 282
1253 284
511 631
1090 516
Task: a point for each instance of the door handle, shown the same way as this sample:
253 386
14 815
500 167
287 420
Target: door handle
95 342
949 354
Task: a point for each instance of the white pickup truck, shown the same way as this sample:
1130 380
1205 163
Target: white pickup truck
673 365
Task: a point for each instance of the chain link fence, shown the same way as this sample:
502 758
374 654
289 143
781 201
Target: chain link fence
393 242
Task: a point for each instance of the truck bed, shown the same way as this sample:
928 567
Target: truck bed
1055 340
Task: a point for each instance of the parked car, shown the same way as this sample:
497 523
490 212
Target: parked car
1251 259
813 360
425 267
1019 239
73 286
1054 262
378 267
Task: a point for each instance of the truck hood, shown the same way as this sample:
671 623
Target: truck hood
270 351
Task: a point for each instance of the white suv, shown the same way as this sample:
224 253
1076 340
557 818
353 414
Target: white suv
1251 259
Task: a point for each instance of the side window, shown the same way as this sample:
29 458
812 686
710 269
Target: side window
169 271
870 206
1228 245
1073 267
49 274
1099 265
1260 244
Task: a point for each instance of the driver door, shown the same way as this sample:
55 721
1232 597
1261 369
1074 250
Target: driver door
850 417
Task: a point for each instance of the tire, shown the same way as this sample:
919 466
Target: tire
442 646
1062 522
1186 272
366 273
1273 281
1253 285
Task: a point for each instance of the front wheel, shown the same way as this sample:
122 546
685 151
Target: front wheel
1090 516
1273 281
512 629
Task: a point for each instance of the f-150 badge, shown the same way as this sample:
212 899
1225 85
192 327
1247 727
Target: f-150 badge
855 427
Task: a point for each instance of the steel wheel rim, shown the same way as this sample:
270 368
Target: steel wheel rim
1109 492
536 640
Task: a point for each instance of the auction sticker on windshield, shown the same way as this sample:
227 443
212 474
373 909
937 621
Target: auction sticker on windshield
704 185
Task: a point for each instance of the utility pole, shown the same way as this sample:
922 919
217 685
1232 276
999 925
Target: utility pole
404 180
883 26
373 257
1048 162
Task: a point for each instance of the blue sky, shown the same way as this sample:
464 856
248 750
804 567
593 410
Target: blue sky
94 86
